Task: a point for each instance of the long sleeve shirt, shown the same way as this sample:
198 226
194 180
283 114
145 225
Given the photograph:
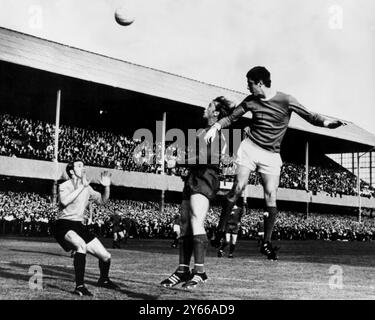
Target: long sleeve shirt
270 118
207 155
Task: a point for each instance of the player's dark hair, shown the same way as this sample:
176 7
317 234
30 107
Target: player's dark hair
70 166
260 73
224 106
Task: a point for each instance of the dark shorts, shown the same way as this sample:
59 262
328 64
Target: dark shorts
204 181
232 228
62 226
116 228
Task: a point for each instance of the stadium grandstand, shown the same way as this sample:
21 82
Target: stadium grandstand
98 102
366 166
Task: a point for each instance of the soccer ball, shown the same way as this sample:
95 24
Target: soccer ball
123 17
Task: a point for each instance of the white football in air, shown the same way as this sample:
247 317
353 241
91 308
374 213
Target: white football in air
123 16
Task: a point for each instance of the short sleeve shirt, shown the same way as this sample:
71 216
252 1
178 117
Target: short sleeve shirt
74 211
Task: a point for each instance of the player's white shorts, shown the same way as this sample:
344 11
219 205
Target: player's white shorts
254 157
176 228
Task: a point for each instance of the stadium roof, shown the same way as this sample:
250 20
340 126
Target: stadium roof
37 53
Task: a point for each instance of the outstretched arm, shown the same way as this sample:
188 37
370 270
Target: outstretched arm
312 117
237 113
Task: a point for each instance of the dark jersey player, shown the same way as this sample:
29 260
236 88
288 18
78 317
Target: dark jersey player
117 230
128 228
271 111
260 230
231 230
201 186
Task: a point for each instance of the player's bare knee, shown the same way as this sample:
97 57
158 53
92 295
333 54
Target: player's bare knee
270 197
193 218
241 183
106 256
81 247
241 188
196 222
235 192
238 190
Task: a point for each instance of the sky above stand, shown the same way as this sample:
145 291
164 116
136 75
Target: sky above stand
321 51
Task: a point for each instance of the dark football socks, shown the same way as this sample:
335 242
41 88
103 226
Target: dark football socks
200 246
223 245
79 267
225 212
269 223
186 247
104 268
231 248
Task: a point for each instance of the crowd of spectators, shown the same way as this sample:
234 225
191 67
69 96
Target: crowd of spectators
27 138
26 213
296 226
31 214
335 181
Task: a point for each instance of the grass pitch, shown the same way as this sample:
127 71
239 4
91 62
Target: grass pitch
305 270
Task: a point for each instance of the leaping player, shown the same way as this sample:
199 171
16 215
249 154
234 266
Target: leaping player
271 111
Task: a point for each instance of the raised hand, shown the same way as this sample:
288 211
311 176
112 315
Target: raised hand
85 181
210 135
105 178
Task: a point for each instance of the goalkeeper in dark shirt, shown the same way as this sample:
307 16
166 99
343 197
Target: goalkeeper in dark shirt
201 186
